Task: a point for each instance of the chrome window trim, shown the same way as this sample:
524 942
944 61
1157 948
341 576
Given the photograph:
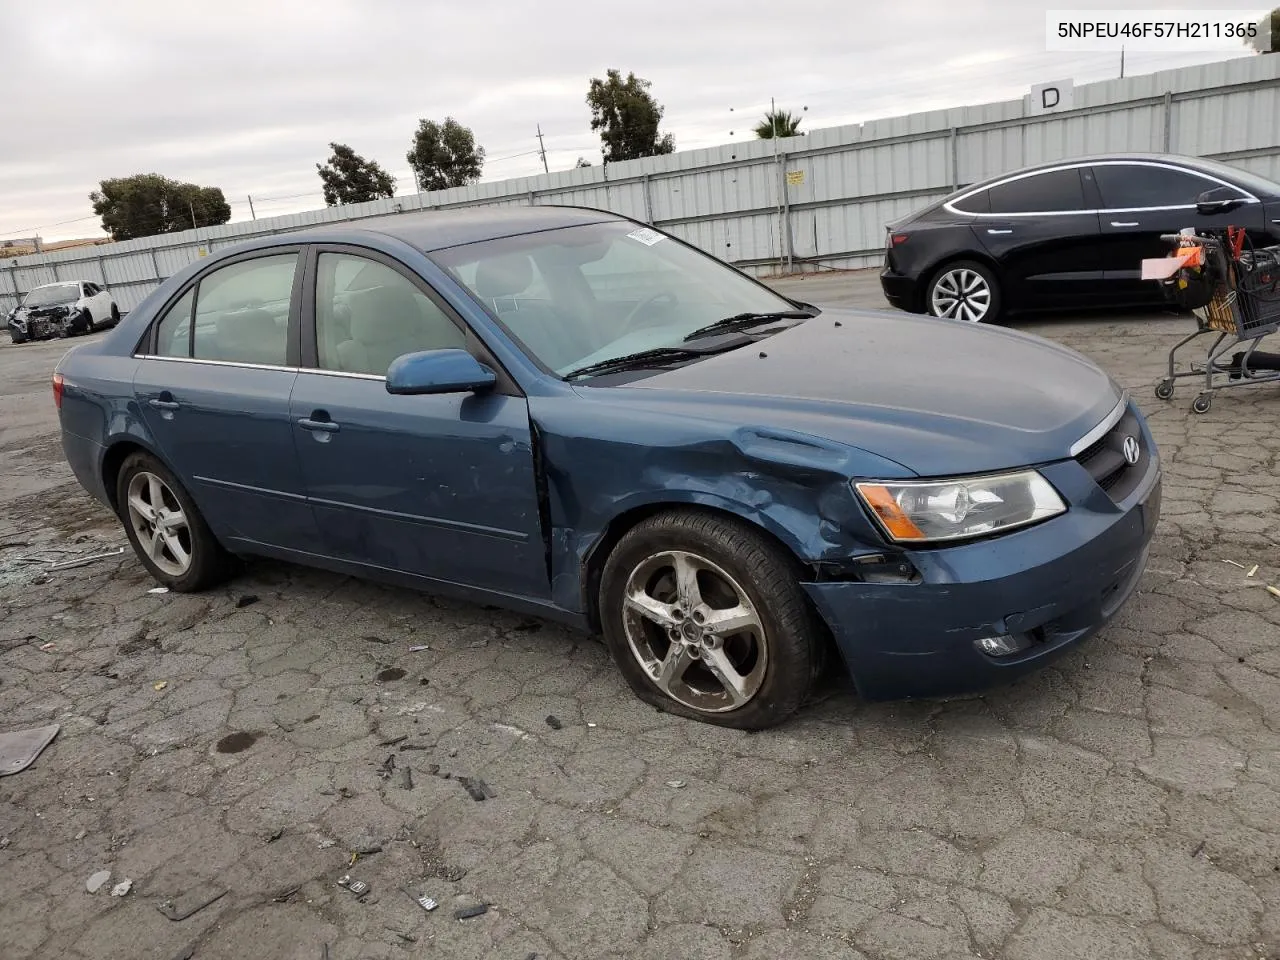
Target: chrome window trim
949 206
342 373
217 363
1101 430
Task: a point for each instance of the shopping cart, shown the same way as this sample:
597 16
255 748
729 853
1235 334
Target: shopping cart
1233 289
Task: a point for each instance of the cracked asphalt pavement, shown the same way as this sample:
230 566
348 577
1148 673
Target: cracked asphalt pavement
1123 804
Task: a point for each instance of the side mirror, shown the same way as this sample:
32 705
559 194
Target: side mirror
1218 200
438 371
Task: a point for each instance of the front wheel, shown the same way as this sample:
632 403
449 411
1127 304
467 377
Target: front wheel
964 290
166 529
706 619
115 315
17 337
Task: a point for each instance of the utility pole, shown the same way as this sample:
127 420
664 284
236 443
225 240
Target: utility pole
782 180
542 150
193 215
252 215
1122 61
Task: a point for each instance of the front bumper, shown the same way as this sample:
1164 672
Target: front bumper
1058 582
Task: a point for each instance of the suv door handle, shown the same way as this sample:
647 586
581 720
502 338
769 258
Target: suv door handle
318 426
1125 223
164 404
990 230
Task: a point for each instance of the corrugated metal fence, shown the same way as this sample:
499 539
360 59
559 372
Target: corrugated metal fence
802 203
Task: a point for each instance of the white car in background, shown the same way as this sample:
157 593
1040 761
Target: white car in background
62 309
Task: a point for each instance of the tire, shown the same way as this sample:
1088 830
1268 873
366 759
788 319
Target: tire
87 317
208 564
17 337
777 659
1164 390
115 315
1202 403
969 280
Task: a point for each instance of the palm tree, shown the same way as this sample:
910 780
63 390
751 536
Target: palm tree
778 123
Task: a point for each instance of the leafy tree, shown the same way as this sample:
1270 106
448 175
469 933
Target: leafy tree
445 155
147 204
627 117
582 162
1268 38
350 178
778 123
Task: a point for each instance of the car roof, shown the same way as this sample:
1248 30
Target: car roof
429 230
1171 159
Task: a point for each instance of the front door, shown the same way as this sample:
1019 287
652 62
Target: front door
214 394
1141 202
441 487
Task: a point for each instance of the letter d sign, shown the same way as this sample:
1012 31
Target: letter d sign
1050 97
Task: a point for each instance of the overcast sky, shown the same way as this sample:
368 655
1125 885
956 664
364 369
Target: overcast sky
246 96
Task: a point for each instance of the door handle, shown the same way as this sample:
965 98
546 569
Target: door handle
164 404
318 426
1125 223
989 230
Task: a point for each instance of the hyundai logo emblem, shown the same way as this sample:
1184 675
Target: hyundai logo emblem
1131 450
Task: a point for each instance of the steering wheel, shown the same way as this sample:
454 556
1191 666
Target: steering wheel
644 304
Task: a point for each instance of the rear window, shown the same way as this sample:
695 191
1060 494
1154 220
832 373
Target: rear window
979 202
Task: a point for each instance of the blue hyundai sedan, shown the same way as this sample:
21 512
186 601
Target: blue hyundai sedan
573 415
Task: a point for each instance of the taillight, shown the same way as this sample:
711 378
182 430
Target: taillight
57 390
900 238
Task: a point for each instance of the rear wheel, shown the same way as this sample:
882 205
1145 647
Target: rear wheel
166 529
115 315
706 619
964 290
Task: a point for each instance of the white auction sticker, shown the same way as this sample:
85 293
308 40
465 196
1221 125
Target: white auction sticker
1137 30
646 236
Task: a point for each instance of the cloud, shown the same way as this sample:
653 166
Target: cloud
247 95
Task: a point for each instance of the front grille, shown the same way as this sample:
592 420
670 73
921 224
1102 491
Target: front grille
1105 460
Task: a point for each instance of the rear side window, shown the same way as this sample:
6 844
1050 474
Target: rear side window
1131 186
242 311
979 202
1053 192
173 336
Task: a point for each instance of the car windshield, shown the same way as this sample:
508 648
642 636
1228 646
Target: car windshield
584 295
54 293
1241 177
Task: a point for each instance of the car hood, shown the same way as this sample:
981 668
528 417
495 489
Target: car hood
939 397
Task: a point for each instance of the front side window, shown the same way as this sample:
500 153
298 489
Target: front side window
1056 191
1134 186
173 334
242 311
604 290
368 314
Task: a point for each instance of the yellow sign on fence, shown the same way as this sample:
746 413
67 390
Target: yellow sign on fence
795 178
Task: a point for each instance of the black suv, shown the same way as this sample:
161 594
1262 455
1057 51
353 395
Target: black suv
1066 235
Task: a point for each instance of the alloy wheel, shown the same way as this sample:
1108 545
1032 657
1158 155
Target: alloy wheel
961 294
695 631
159 522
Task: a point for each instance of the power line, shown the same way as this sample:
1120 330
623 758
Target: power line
34 231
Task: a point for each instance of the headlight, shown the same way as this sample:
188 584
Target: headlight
924 511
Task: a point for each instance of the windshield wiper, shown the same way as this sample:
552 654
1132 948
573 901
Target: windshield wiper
741 321
631 361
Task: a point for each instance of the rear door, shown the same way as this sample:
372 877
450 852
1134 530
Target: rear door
1139 201
214 391
1043 234
439 486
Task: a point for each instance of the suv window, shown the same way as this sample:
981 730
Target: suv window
173 335
1128 186
242 311
89 289
1050 192
368 314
